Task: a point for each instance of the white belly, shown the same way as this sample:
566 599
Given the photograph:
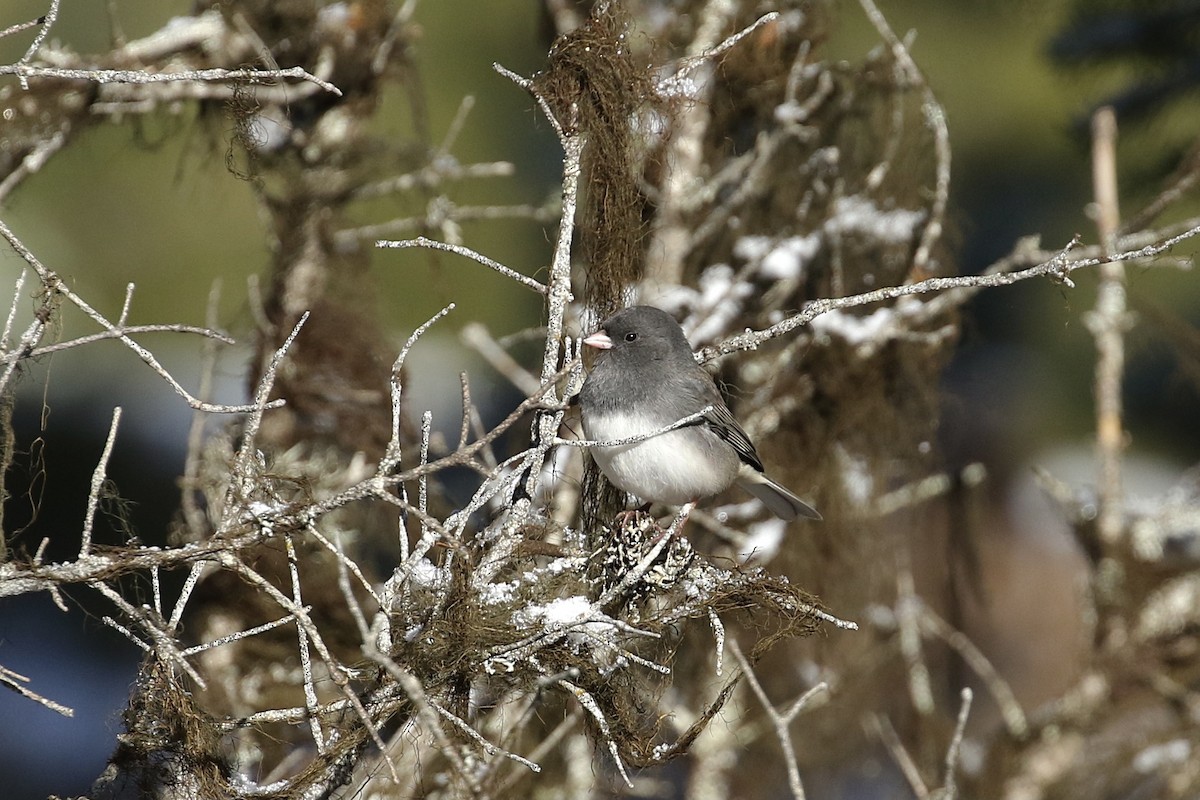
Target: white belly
674 467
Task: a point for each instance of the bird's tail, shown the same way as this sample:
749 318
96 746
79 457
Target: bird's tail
778 500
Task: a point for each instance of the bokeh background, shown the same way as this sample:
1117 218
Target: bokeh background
151 203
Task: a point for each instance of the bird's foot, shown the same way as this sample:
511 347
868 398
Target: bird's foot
628 517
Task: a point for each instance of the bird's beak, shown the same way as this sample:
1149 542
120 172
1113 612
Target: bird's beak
599 340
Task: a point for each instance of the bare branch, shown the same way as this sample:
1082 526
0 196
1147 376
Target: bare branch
466 252
98 479
781 722
54 285
951 785
1108 323
1058 268
14 681
935 117
137 77
47 21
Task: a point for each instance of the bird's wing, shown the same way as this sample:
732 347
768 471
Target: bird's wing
721 422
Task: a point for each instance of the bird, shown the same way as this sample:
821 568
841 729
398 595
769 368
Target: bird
644 379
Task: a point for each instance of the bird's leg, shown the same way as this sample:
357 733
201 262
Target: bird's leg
627 516
663 532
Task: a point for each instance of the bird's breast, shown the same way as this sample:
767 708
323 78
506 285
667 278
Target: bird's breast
673 467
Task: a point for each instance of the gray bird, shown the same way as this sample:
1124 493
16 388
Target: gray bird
644 379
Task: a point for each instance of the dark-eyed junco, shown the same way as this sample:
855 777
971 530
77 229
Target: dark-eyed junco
645 379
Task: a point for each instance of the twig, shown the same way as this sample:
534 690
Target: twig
588 702
1108 323
558 295
926 489
445 216
344 562
546 746
423 481
433 175
424 712
128 634
960 727
1011 712
241 487
21 26
336 671
900 755
190 488
238 636
455 128
13 680
935 117
55 286
32 335
709 53
345 566
98 478
781 721
684 150
683 422
252 76
719 634
310 689
392 457
46 21
185 594
164 646
116 332
476 336
908 608
527 85
825 616
558 287
10 320
1058 268
466 252
477 737
32 161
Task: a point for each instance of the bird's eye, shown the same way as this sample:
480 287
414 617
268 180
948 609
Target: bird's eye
631 336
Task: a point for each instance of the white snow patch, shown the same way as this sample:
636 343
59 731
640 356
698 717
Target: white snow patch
753 248
857 214
683 87
784 259
717 306
561 613
856 477
498 593
556 567
675 300
258 509
1156 758
567 610
426 575
763 540
854 329
334 15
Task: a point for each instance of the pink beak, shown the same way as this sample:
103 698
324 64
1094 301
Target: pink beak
599 340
